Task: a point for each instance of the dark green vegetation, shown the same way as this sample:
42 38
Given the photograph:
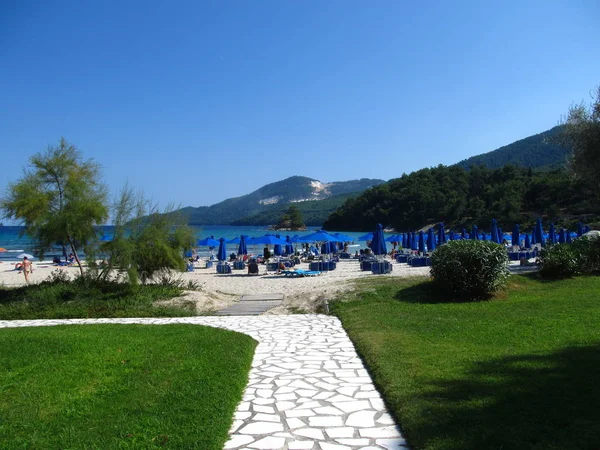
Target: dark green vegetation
291 220
582 132
469 270
462 198
265 205
120 386
541 151
313 213
60 199
85 298
146 244
518 372
567 260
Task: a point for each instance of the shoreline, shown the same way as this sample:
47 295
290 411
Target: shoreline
217 291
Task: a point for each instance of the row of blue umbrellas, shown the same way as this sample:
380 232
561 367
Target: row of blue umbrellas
329 242
413 240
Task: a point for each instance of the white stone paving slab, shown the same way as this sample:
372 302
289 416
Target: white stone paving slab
329 401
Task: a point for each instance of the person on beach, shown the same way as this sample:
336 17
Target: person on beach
26 267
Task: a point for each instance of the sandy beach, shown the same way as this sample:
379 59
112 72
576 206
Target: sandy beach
218 291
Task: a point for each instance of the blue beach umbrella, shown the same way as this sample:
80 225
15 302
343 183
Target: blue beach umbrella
414 240
277 248
208 242
552 234
222 253
562 236
421 242
516 235
366 237
319 236
495 236
463 234
242 249
441 234
579 229
430 240
404 240
342 237
475 233
378 243
267 239
569 239
533 242
527 241
289 247
539 232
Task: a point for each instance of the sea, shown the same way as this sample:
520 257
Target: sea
15 242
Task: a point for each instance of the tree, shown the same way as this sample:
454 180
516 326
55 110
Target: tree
145 241
60 199
291 219
582 131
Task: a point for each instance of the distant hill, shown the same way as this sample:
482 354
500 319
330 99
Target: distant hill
540 151
314 198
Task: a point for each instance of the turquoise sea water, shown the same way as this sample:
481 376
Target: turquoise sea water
11 239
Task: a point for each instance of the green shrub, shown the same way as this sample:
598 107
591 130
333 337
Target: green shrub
469 270
559 261
588 251
567 260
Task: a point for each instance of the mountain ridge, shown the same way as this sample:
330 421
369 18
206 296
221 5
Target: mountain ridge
296 189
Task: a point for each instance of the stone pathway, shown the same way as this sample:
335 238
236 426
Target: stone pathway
252 305
307 387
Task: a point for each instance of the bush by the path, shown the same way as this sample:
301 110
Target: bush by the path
469 269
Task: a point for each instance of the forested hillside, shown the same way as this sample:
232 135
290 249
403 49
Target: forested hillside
314 213
540 151
315 199
460 198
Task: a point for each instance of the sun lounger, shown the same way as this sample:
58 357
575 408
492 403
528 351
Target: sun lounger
300 273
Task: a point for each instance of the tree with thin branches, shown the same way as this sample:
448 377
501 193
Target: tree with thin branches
59 199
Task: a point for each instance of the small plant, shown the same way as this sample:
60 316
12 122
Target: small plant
559 261
468 269
58 276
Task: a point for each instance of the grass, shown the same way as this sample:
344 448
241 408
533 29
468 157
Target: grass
84 298
120 386
518 372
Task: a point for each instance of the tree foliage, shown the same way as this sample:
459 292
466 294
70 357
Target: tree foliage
145 242
462 198
540 151
60 199
291 219
582 132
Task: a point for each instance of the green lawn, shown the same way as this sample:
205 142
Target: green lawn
521 371
83 299
120 386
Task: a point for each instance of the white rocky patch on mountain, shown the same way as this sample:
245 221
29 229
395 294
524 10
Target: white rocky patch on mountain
270 200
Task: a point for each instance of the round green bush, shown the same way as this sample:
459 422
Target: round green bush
469 270
559 261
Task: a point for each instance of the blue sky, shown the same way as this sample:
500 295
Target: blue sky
195 102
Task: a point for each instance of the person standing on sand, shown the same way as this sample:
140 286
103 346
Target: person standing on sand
26 267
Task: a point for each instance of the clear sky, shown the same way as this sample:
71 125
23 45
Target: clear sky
195 102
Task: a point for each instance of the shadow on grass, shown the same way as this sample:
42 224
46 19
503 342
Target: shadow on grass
426 292
525 402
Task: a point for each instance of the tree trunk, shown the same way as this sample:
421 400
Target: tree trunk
74 250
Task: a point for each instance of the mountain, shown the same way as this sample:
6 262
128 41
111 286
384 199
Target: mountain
541 151
265 205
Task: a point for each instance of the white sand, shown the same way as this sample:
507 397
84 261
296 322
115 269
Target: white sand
303 294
